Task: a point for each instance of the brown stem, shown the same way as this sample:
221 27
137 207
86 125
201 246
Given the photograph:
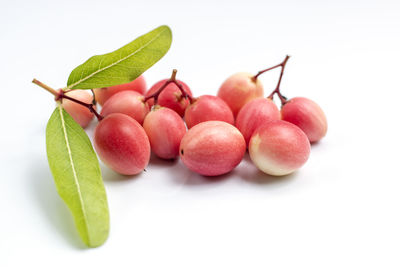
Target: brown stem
46 87
277 88
282 98
60 95
262 71
156 94
184 94
282 64
94 101
173 75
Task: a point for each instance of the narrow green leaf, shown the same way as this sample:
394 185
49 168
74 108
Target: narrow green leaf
124 64
77 176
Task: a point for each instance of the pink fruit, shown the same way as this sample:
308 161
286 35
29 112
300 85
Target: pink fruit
307 115
208 108
254 114
170 97
103 94
279 148
212 148
165 129
240 89
130 103
122 144
79 113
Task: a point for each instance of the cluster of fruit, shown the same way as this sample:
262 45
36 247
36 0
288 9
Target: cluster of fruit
210 133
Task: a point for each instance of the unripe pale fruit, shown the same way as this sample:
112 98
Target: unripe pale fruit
254 114
130 103
170 97
79 113
137 85
208 108
122 144
212 148
307 115
279 148
165 129
240 89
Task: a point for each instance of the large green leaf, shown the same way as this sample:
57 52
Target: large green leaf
124 64
77 176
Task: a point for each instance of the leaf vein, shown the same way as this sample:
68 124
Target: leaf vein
73 167
115 63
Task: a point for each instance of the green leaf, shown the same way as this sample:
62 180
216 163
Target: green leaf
124 64
77 176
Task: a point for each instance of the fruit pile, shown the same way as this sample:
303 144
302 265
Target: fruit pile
209 133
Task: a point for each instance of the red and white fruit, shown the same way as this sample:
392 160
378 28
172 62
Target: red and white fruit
130 103
307 115
165 129
171 96
279 148
208 108
240 89
212 148
254 114
79 113
122 144
137 85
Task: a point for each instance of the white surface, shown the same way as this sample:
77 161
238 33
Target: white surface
340 209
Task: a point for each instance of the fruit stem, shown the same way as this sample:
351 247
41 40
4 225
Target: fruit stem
46 87
94 102
282 64
60 95
184 94
173 75
156 94
277 91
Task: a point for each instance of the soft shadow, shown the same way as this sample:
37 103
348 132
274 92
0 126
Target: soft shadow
258 177
184 176
250 173
317 144
154 160
110 176
52 206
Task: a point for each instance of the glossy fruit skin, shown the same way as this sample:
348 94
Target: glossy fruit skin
130 103
240 89
254 114
279 148
307 115
170 97
137 85
208 108
212 148
165 129
122 144
79 113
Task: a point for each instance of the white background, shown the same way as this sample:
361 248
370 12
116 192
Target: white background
340 209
